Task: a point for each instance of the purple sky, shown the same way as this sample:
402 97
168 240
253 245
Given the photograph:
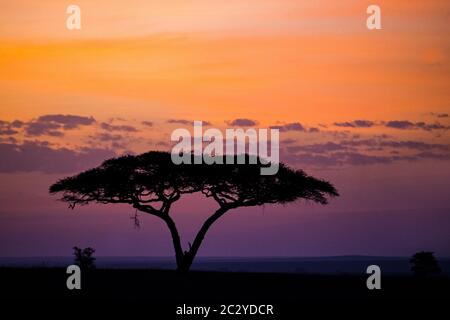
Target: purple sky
383 210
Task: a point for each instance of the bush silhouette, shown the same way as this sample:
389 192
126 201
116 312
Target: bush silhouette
424 263
151 183
84 258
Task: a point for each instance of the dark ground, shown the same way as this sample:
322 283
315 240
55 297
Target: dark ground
158 292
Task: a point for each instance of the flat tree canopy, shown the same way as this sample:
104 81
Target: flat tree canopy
151 183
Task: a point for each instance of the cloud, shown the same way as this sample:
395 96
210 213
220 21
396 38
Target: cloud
356 158
355 124
107 137
429 127
242 122
147 123
116 141
373 144
408 144
110 127
340 158
439 115
318 148
433 155
415 145
117 119
187 122
305 159
162 144
288 141
43 128
408 125
40 156
363 152
8 139
67 121
294 126
52 124
9 128
17 124
395 124
354 150
7 132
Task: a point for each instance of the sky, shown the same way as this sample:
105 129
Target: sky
365 109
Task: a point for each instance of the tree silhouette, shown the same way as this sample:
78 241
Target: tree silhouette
84 258
424 263
151 183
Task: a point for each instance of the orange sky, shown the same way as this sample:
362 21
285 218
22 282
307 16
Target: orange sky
213 60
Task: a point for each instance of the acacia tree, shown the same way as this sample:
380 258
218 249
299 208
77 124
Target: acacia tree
84 257
151 183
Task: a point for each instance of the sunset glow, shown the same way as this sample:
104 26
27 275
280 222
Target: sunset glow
370 108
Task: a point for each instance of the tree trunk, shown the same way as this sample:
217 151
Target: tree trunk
179 255
184 262
184 259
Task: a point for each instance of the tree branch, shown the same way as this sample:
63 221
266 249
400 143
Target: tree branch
163 214
204 229
179 255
